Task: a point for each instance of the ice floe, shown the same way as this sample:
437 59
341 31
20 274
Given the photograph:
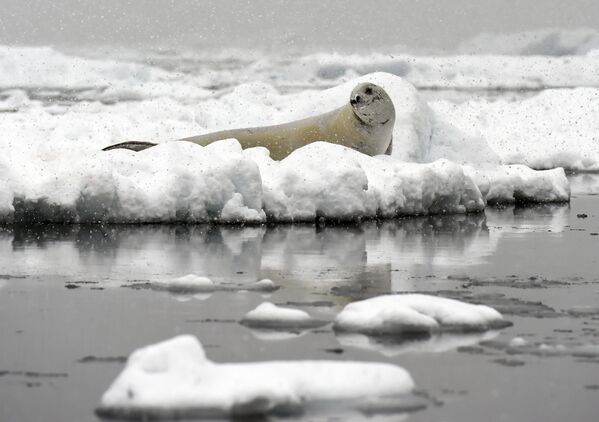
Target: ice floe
268 315
52 168
176 379
192 283
416 314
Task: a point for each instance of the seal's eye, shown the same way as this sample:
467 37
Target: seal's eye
368 91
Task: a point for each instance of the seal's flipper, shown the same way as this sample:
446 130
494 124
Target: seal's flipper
132 145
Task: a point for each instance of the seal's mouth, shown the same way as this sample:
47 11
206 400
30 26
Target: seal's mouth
361 118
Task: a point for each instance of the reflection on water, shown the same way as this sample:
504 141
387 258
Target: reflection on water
437 343
541 218
376 255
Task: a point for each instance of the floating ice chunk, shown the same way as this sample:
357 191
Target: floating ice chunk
416 313
176 379
518 183
190 282
517 342
266 284
54 171
269 312
268 315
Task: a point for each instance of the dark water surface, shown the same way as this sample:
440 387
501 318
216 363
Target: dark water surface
69 317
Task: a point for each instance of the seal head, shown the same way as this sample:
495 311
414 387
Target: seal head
372 105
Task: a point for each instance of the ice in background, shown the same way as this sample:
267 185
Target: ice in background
468 127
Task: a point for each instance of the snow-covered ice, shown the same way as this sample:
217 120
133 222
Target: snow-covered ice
556 128
269 315
517 342
266 284
193 283
190 282
416 313
269 312
447 157
176 379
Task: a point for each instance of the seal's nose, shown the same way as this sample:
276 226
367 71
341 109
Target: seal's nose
352 101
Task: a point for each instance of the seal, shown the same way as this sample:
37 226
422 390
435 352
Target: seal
364 124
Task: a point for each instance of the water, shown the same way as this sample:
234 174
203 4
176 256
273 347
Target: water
69 317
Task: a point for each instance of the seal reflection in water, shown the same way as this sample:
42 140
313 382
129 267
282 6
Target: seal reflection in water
364 124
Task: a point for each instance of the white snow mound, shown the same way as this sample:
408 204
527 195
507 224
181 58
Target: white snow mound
176 379
268 312
416 313
191 282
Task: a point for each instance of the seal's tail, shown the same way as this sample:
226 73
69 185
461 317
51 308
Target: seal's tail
132 145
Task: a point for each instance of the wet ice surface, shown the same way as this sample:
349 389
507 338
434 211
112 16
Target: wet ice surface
68 316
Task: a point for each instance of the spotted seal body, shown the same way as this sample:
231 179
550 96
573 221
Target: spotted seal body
364 124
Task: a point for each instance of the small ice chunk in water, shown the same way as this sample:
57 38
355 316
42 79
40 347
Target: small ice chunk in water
416 313
266 284
517 342
174 378
268 315
190 282
269 312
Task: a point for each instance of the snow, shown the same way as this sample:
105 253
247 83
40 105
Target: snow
304 186
518 183
460 72
266 284
48 69
190 282
174 378
266 312
447 157
193 283
556 128
416 313
268 315
517 342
